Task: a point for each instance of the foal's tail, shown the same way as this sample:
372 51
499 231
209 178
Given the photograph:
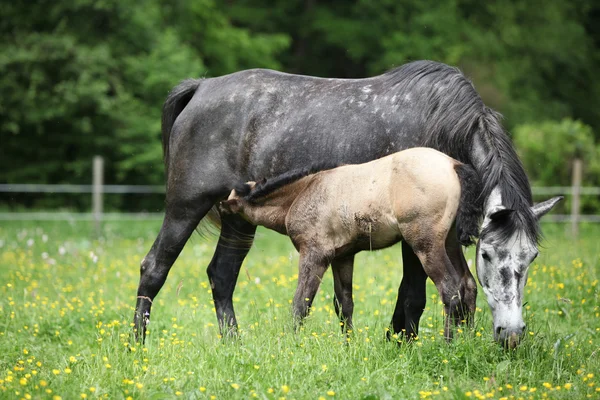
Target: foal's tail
470 208
176 101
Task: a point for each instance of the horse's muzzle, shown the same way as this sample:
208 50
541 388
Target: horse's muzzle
509 338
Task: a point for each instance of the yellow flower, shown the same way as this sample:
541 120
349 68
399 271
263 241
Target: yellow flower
56 371
547 385
235 386
202 389
139 385
83 396
523 388
285 389
67 370
330 393
568 386
23 381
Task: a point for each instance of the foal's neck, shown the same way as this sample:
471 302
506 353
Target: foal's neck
271 210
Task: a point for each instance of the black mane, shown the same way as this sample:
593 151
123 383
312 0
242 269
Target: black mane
502 167
454 117
268 186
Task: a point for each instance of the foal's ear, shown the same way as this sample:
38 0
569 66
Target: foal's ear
230 206
541 209
251 184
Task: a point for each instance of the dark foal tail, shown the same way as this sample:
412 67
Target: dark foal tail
176 101
470 208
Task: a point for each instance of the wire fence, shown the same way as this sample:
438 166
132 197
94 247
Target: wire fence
157 189
97 189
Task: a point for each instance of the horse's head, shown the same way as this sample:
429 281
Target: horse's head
505 249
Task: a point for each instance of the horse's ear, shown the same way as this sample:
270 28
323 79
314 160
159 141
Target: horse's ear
541 209
500 213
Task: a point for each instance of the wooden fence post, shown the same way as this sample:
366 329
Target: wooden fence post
576 203
98 182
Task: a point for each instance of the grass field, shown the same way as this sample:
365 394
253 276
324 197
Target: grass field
66 304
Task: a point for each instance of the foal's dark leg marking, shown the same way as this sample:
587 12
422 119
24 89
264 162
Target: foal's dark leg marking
440 269
234 243
468 286
311 268
411 296
178 224
342 283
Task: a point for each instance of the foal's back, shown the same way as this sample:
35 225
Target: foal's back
377 204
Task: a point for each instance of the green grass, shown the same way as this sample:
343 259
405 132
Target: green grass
66 304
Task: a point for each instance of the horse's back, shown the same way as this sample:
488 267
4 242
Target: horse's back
265 122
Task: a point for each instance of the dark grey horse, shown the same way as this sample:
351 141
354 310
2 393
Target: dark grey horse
255 124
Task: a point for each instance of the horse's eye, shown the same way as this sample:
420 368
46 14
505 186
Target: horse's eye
485 256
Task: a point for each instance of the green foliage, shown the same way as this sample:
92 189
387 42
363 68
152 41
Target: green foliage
81 78
548 150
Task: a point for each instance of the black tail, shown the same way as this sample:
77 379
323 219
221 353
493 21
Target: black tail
176 101
470 208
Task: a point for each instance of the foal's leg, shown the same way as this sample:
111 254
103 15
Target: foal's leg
468 285
181 217
439 268
411 296
233 246
313 265
342 282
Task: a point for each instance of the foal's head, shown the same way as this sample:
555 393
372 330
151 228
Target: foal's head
506 247
234 204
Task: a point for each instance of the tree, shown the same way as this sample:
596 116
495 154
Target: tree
82 77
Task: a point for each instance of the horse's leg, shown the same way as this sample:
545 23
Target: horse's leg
181 217
439 268
411 295
234 243
312 266
342 283
468 284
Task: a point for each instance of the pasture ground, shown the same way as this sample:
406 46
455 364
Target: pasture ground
66 304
